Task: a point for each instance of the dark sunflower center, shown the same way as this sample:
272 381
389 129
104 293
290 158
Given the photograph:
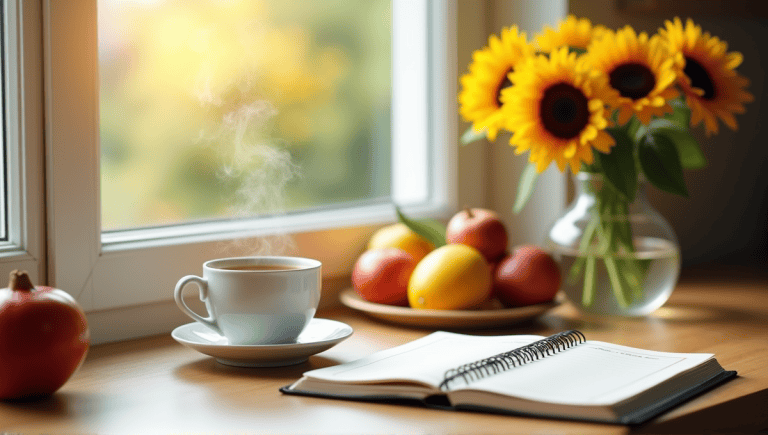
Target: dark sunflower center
633 80
564 110
699 78
505 83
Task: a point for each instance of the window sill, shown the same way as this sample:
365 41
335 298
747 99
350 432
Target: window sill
289 223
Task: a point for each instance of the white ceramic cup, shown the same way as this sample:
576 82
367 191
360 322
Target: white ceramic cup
254 307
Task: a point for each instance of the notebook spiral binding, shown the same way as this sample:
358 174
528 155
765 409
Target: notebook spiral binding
514 358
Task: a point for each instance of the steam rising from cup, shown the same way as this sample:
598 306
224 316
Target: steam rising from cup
261 167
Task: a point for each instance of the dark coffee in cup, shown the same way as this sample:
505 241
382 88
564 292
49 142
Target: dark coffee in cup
261 267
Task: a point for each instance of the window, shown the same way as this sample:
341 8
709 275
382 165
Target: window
220 110
21 171
129 267
4 139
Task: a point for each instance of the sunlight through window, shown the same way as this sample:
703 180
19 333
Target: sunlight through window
226 109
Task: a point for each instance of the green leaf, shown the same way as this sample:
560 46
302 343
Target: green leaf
619 165
615 117
661 164
681 114
525 186
690 153
471 135
433 231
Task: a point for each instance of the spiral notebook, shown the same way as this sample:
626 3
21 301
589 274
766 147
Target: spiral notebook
562 376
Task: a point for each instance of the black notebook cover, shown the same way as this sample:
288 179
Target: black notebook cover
440 402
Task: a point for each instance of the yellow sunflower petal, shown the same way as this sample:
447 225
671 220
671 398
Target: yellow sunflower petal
603 142
480 98
570 150
625 112
570 32
640 70
588 134
556 112
712 87
587 156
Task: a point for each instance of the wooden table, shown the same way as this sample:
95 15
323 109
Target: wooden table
155 385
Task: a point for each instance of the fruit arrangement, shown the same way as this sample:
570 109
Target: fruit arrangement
463 266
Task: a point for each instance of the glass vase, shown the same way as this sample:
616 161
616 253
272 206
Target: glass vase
617 257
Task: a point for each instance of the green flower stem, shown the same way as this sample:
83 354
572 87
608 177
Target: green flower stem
631 271
608 238
590 277
609 233
625 231
584 245
615 278
590 281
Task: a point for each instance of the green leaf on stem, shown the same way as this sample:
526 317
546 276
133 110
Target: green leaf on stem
681 114
619 165
472 135
430 229
661 164
525 186
690 153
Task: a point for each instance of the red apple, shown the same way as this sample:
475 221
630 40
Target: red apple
528 276
381 276
492 266
479 228
44 337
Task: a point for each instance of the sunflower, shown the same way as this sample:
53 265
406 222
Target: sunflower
640 69
708 78
556 110
481 88
572 32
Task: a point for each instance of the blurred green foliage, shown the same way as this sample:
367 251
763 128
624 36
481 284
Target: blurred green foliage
193 91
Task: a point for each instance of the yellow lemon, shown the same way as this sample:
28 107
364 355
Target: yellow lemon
452 277
401 237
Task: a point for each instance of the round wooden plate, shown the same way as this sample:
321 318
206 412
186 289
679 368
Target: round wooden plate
449 319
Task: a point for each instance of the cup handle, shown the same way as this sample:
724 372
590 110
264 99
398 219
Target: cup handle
202 286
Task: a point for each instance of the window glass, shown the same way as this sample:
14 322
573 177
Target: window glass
215 109
3 136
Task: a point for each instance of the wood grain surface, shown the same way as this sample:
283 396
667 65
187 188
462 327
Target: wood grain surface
155 385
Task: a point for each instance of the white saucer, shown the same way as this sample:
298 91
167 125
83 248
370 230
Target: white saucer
319 335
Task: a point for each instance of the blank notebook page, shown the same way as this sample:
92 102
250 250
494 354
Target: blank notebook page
592 373
423 360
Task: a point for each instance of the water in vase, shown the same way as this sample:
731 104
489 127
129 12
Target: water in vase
658 260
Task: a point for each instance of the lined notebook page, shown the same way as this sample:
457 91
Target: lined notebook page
424 360
592 373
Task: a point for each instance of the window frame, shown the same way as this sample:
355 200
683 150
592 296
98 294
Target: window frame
124 281
23 140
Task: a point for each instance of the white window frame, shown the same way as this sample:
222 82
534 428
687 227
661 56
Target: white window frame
125 281
25 247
